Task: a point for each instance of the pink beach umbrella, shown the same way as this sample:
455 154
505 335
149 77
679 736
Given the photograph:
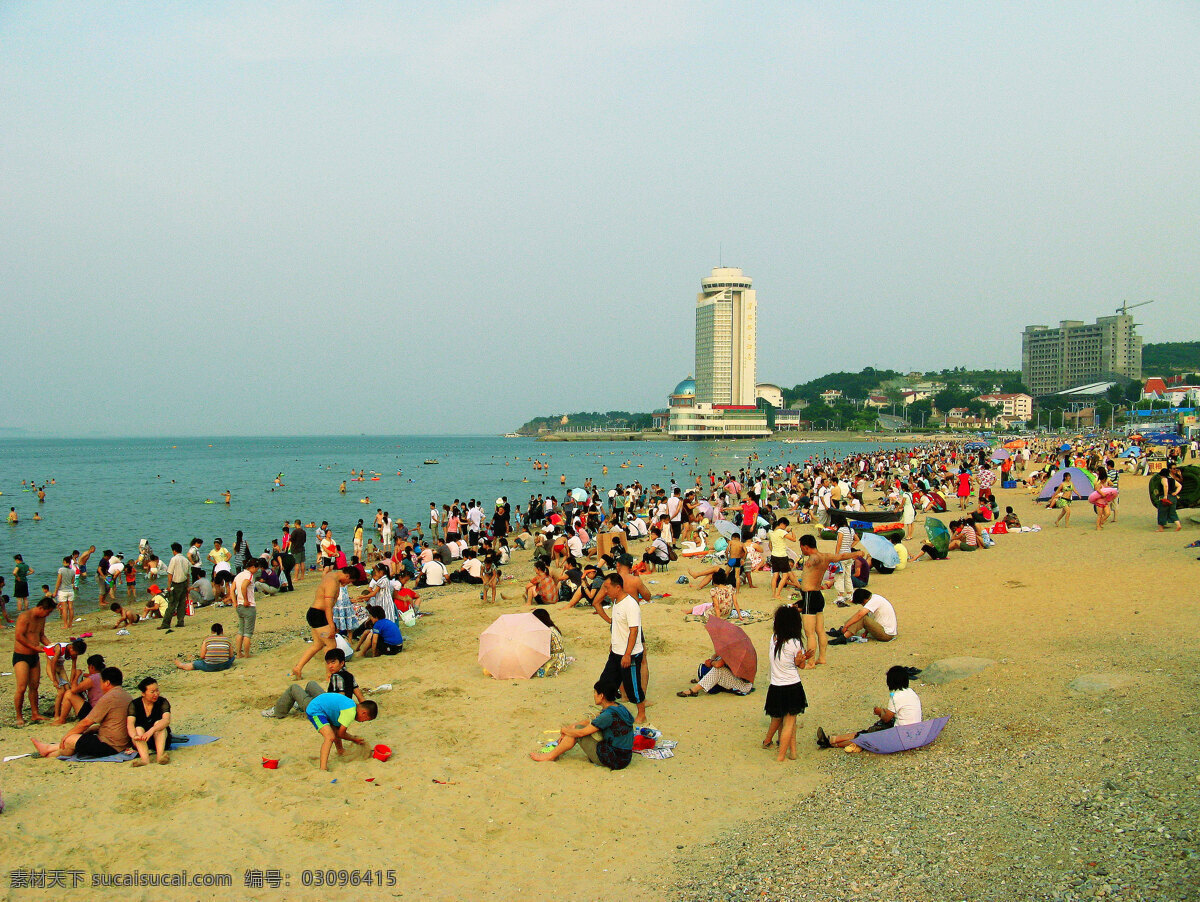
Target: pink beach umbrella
514 647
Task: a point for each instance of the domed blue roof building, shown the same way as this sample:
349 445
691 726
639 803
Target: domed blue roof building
684 394
686 387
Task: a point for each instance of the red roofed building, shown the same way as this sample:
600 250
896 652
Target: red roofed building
1012 406
1154 388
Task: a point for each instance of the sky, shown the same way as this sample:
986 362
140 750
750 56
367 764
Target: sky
324 218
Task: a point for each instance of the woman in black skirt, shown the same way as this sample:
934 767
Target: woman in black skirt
785 697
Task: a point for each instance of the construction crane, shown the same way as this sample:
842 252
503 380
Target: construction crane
1126 307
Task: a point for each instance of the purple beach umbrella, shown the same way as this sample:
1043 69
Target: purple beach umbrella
901 739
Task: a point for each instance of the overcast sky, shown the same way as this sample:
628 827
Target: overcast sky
450 217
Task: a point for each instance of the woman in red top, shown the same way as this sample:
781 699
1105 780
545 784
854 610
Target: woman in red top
964 488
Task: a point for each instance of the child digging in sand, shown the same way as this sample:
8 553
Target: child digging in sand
331 715
607 739
785 697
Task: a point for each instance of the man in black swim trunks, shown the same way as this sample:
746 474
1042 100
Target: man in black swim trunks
29 640
320 615
812 602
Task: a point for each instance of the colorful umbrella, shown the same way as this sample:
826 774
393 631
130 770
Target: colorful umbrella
514 647
734 647
880 549
727 528
579 494
1015 444
901 739
939 535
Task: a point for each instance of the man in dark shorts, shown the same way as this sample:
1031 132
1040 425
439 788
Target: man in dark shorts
812 602
624 664
29 639
296 542
320 616
104 731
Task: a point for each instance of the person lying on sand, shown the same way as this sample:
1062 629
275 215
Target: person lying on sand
607 739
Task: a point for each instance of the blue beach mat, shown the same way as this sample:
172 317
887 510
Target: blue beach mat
186 741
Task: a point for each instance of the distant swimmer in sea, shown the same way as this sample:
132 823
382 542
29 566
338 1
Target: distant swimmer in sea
342 488
227 496
366 500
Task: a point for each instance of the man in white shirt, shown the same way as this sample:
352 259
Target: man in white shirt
675 514
625 650
179 571
433 573
876 619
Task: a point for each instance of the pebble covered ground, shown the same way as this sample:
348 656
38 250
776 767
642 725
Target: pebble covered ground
1001 807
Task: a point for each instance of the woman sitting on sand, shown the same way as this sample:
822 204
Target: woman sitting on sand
723 594
713 676
149 720
607 740
540 589
558 652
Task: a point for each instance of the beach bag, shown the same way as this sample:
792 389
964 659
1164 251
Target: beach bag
408 616
672 555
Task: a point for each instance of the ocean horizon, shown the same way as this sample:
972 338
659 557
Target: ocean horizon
112 492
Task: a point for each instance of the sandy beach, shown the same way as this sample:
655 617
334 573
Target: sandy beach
1085 724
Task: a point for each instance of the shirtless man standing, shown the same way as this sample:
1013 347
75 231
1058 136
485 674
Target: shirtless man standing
812 601
320 616
28 641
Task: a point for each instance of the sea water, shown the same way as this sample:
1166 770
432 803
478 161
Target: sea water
112 492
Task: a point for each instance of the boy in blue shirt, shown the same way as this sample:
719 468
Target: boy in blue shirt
331 714
383 638
607 740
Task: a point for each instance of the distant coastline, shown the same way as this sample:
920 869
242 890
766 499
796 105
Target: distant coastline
795 437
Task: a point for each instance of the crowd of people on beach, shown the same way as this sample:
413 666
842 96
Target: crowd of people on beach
728 528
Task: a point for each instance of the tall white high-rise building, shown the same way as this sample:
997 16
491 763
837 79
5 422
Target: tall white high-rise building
726 339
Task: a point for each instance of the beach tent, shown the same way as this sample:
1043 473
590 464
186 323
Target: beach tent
1082 482
1189 494
1131 451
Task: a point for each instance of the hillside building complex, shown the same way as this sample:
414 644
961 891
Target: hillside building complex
1054 359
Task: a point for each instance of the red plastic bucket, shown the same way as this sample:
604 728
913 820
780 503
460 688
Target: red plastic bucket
382 752
271 763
